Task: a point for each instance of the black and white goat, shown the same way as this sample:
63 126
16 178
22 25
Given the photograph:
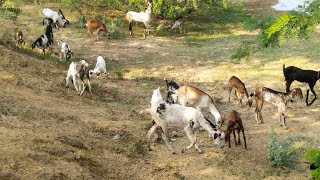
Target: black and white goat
189 118
177 24
309 77
279 99
41 42
100 68
54 16
64 50
49 34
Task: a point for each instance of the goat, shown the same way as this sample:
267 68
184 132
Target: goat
78 74
42 42
63 17
191 119
18 36
234 122
54 16
309 77
279 99
100 67
188 95
49 34
64 50
235 82
177 24
95 25
144 17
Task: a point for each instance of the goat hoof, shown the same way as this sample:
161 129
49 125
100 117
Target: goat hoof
200 151
183 150
173 152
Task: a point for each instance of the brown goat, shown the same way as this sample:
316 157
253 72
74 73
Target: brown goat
18 36
236 83
280 99
96 25
235 123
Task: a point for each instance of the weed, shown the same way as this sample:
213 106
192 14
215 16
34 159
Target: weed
178 175
313 156
285 152
138 149
114 29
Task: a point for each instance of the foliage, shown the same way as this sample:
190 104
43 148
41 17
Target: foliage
283 152
114 29
313 156
289 26
162 8
10 9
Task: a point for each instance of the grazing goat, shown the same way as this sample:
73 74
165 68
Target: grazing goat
78 74
18 36
64 50
42 42
236 83
143 17
100 67
191 119
177 24
188 95
309 77
279 99
234 122
96 25
54 16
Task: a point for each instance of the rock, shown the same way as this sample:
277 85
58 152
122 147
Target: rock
116 137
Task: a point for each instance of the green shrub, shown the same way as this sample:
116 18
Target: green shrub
283 152
313 156
114 29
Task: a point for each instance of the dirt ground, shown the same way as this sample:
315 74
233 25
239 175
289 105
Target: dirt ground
49 132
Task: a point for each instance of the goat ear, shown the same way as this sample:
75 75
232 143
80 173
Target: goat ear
294 92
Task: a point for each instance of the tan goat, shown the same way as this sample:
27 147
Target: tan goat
96 25
235 82
235 123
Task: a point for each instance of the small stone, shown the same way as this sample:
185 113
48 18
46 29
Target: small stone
116 137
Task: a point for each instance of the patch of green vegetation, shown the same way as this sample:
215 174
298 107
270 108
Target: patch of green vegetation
179 176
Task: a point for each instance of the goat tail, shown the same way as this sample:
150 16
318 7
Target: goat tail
214 111
250 99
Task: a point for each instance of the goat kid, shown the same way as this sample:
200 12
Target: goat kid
191 119
100 68
79 76
234 122
54 16
144 17
64 50
18 36
96 25
308 77
188 95
177 24
238 85
279 99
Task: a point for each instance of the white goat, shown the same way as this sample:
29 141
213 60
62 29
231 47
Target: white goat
77 73
191 119
100 67
64 50
54 15
143 17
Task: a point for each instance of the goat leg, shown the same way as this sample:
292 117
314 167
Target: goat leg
234 135
244 139
165 138
150 132
238 131
315 96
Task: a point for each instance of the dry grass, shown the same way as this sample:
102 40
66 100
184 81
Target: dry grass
48 132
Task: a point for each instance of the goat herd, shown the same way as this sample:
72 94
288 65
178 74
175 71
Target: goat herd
169 112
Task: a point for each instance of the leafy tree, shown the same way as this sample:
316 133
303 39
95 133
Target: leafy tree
299 24
313 156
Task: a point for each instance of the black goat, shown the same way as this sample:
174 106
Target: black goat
49 34
310 77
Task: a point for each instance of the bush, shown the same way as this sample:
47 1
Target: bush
114 29
283 152
313 156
